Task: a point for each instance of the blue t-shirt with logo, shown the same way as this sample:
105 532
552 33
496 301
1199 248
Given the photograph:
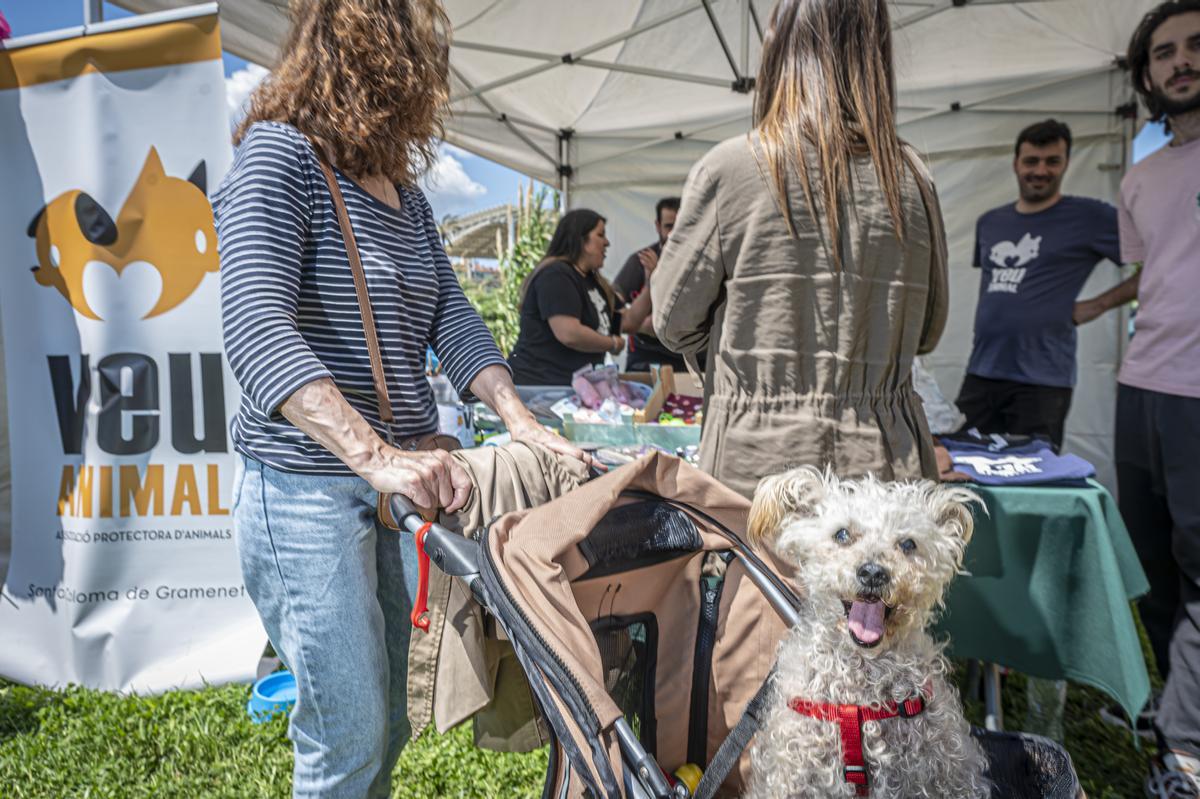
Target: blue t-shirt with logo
1034 266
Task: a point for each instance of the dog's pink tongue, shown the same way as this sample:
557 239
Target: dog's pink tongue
866 621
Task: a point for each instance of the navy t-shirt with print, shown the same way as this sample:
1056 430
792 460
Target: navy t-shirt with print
1033 268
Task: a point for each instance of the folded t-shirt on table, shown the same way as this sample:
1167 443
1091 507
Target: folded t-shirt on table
1014 460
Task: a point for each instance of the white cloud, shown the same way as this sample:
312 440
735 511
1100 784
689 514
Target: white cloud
457 152
449 188
238 88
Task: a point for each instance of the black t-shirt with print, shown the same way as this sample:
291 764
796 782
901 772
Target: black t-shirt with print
538 358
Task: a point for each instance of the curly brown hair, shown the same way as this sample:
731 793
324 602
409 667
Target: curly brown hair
367 80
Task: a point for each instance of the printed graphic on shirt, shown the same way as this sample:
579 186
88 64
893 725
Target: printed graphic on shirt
1010 260
1011 466
605 326
1006 254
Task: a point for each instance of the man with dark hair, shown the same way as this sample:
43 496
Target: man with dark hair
644 347
1158 399
1035 255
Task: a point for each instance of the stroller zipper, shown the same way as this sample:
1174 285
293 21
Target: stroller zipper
491 574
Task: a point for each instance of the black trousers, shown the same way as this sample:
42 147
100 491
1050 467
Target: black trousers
1006 406
1158 482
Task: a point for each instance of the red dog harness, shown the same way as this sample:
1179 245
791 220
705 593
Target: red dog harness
850 719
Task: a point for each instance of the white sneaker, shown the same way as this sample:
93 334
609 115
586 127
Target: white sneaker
1178 778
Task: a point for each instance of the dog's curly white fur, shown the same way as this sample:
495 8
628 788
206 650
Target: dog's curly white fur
856 544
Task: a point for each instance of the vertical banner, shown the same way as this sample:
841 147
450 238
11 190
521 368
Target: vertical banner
124 573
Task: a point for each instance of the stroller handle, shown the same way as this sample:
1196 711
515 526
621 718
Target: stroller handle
456 555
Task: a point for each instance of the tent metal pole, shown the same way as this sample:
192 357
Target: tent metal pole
572 60
757 24
943 5
955 107
712 18
93 11
912 19
745 62
677 136
564 171
528 123
653 73
530 143
600 45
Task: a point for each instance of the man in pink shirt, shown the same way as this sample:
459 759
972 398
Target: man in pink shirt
1158 400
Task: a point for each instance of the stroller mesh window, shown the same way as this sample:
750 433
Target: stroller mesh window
629 656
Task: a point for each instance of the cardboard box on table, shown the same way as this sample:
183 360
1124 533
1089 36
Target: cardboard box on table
642 426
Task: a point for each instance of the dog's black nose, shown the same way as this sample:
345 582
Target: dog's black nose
872 575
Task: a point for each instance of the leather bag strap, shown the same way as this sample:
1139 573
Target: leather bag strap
360 289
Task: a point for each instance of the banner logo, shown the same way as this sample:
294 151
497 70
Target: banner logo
165 222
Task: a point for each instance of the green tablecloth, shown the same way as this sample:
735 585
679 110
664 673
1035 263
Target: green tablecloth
1052 571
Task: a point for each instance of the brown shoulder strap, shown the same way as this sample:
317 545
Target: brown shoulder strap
360 288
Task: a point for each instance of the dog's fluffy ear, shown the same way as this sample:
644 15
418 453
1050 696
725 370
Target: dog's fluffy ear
796 492
951 506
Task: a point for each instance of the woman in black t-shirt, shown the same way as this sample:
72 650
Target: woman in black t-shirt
569 316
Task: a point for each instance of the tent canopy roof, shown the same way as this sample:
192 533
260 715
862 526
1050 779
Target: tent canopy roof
628 90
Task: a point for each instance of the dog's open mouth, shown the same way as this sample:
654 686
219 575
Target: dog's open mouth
865 615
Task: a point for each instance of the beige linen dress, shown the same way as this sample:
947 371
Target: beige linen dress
808 363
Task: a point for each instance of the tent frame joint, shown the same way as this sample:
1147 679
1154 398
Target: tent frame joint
743 85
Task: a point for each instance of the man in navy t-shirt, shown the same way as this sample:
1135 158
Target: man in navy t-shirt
1035 256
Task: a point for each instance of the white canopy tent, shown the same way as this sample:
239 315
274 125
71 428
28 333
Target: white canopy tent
613 100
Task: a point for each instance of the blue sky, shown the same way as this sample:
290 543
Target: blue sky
462 182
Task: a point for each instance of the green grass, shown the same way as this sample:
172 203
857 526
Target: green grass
81 744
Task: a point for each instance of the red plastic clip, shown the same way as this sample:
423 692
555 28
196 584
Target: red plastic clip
420 611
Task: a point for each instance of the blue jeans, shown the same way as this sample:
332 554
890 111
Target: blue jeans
334 590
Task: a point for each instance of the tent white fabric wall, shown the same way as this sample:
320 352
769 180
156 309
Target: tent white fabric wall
646 86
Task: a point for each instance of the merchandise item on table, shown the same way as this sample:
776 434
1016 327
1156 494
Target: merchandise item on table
594 386
619 456
682 409
1014 460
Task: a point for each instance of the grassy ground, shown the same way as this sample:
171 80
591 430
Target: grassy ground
79 744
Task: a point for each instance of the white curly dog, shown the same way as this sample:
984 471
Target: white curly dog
860 704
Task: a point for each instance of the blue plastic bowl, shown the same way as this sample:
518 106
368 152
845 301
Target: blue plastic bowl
275 693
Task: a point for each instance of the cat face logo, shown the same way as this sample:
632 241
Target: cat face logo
166 222
1007 254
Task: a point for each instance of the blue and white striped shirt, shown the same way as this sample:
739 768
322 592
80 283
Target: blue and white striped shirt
290 312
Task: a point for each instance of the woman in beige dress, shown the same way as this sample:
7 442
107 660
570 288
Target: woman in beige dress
809 259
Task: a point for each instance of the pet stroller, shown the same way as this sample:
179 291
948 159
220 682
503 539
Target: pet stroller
643 653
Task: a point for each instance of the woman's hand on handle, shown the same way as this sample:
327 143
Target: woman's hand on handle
495 387
429 479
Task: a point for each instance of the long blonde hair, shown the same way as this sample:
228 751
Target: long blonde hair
826 83
366 79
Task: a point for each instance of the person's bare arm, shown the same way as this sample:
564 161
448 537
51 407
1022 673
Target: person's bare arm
572 333
1125 291
429 479
494 386
637 315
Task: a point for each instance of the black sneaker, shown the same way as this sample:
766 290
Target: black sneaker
1143 725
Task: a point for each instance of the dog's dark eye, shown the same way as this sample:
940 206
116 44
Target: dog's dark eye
908 546
842 536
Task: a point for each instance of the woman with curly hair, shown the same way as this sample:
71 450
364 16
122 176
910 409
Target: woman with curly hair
356 102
